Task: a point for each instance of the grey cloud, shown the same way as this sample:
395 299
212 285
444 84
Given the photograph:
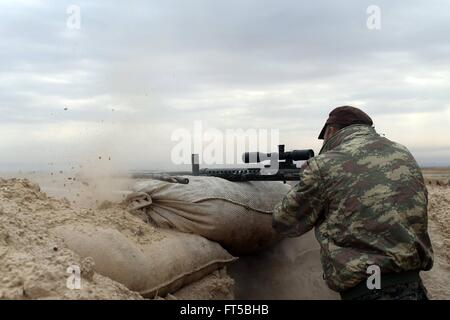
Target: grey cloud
174 62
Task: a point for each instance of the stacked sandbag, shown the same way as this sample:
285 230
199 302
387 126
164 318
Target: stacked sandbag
154 269
235 214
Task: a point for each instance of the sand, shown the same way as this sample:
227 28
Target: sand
33 262
216 286
437 281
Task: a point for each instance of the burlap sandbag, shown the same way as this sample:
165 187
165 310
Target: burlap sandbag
158 268
235 214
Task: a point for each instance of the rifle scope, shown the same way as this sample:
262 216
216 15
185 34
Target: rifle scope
294 155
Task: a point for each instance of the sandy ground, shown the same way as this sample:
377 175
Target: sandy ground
437 280
33 262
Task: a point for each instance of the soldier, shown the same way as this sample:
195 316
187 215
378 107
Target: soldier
365 196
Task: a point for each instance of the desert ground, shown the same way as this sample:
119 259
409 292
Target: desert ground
438 279
33 260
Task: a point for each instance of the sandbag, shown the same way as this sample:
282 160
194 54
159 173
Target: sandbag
158 268
235 214
289 270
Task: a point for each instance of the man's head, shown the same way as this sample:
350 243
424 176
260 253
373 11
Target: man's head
342 117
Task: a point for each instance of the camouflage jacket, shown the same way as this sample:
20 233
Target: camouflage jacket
365 196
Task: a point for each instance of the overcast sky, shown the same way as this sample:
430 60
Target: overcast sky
135 71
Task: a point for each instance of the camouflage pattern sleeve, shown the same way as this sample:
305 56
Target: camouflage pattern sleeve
300 209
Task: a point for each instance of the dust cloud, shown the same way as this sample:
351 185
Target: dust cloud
289 270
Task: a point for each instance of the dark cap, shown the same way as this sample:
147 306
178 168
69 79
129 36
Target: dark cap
345 116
